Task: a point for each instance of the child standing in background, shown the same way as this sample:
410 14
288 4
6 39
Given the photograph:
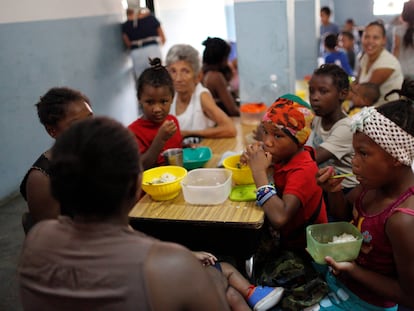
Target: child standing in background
156 130
381 206
331 128
335 56
346 41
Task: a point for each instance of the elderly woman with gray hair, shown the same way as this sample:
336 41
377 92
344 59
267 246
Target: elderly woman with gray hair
193 104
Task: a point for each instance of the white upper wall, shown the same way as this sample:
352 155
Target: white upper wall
191 22
13 11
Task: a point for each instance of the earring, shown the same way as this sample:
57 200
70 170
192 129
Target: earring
51 131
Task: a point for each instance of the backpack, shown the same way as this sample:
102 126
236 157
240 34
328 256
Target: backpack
304 286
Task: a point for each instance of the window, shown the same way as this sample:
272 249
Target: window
388 7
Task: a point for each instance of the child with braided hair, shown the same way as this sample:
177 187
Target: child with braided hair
331 135
156 130
382 208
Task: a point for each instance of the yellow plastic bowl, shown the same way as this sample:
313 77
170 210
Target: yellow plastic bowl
166 190
242 175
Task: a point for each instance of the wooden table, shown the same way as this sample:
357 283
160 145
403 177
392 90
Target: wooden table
221 145
216 228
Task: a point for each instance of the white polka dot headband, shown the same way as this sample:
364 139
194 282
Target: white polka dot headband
388 135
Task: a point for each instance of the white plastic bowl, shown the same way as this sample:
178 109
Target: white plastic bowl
207 186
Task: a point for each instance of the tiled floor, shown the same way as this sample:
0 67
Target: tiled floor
11 238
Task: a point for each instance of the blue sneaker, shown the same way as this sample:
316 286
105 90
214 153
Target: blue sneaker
262 298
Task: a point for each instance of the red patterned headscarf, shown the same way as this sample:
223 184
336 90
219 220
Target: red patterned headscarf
292 113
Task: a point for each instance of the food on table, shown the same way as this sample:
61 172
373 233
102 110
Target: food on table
166 177
344 237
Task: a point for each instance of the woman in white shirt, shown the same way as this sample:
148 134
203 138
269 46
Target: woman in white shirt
377 65
193 104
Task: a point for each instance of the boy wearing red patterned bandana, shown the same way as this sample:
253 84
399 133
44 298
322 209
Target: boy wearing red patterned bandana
295 200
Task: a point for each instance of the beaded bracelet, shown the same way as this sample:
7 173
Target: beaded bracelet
264 193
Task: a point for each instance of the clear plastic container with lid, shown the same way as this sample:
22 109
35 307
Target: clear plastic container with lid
252 113
207 186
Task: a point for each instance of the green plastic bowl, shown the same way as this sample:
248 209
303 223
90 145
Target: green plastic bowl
196 157
318 236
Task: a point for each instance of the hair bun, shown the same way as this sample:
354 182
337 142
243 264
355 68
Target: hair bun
406 92
155 63
407 89
207 41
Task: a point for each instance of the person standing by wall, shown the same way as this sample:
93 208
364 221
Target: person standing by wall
326 27
403 47
143 36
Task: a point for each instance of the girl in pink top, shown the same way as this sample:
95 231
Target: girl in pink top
382 208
